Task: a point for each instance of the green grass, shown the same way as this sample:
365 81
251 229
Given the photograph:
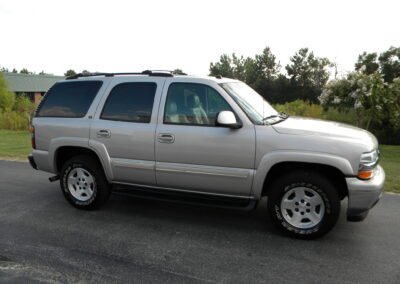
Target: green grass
17 145
390 161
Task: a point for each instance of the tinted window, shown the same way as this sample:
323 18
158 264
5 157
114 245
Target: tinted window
193 104
69 99
130 102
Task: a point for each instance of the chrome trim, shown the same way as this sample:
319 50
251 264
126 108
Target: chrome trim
203 170
184 190
133 164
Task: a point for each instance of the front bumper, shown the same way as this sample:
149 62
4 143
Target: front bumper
364 194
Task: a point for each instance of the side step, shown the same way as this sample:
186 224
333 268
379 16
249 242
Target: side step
197 199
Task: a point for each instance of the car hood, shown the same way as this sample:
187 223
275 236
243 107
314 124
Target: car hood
307 126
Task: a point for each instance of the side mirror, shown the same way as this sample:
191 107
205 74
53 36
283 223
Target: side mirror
228 119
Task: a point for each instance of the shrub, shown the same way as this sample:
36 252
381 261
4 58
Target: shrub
345 116
301 108
23 104
12 120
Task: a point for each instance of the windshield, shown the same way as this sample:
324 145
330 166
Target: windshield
254 105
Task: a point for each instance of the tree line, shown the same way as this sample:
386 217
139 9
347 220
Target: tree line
303 78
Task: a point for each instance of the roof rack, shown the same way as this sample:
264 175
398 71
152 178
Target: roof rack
156 73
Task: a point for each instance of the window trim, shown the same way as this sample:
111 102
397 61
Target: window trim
45 97
125 83
193 124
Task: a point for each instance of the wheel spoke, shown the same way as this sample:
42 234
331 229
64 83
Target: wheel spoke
80 173
296 219
89 180
314 218
288 204
315 200
72 180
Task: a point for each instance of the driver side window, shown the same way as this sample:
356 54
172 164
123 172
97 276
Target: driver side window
193 104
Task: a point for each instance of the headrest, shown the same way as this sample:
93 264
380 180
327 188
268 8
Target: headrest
193 101
172 108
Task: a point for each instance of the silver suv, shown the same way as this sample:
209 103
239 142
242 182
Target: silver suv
211 140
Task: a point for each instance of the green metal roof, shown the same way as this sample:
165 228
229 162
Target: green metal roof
30 83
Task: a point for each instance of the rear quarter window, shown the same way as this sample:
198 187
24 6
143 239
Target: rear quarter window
69 99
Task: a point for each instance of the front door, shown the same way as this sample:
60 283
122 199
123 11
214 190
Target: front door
192 153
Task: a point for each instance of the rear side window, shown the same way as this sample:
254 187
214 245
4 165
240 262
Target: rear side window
69 99
132 102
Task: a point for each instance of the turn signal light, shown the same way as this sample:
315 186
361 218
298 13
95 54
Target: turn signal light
366 174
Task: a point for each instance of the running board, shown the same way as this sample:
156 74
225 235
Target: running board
208 200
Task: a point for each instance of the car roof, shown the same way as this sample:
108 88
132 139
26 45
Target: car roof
182 77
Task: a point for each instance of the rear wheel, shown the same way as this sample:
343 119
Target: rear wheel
83 183
304 204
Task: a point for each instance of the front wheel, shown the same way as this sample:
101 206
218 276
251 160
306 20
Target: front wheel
304 204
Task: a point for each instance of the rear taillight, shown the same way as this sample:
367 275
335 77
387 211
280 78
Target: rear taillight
33 140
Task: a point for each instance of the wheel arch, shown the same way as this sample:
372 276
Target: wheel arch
330 172
64 153
274 164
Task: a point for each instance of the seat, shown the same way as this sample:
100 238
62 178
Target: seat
172 114
197 113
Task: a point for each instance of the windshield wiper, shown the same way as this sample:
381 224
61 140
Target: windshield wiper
281 115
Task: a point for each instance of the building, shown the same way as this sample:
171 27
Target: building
34 86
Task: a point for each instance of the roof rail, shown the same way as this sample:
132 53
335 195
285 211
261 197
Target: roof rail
156 73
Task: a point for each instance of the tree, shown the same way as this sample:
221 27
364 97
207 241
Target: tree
267 64
390 63
222 67
178 71
14 70
69 73
367 63
238 67
307 70
7 98
25 71
369 95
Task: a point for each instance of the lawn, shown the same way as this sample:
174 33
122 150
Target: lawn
390 161
17 145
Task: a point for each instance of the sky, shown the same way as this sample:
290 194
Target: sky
123 36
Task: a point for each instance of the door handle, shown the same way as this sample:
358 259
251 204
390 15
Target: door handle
103 133
166 138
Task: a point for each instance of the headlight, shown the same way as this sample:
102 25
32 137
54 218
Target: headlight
368 163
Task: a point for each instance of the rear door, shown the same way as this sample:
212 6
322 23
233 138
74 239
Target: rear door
124 128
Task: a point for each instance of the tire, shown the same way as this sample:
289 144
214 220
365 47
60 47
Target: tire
83 183
303 204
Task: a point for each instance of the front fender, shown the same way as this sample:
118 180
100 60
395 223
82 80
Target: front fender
276 157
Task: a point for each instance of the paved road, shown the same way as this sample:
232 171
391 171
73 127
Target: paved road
43 239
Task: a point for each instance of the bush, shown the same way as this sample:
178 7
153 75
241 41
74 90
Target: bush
12 120
23 104
15 110
301 108
344 116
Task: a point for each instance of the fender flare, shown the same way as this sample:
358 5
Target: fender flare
94 146
276 157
